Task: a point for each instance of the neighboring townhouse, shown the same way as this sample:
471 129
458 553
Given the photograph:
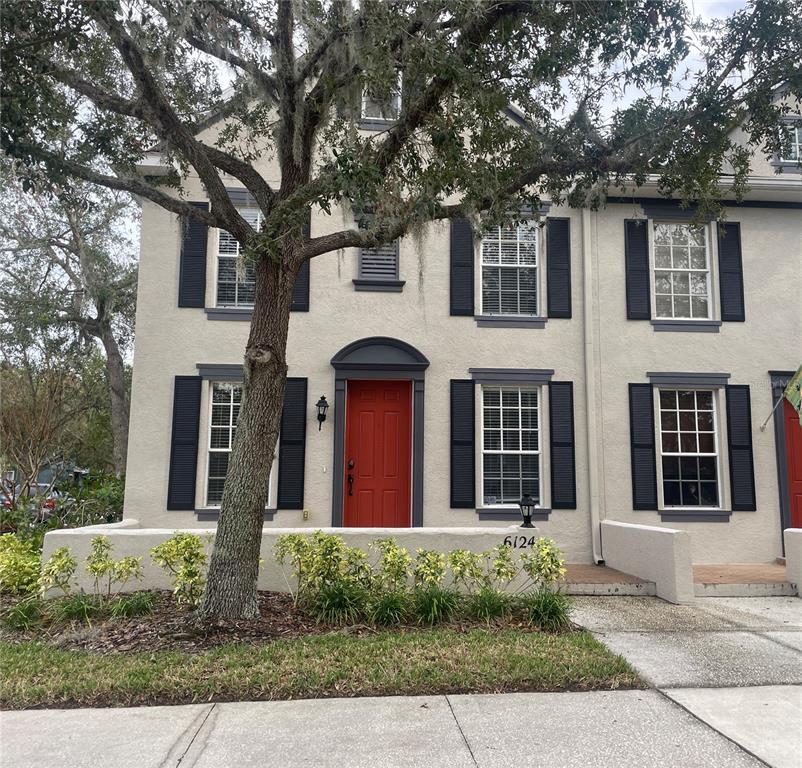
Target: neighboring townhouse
613 364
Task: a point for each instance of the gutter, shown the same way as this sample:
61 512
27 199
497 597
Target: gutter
591 390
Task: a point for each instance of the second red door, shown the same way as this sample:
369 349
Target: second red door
378 454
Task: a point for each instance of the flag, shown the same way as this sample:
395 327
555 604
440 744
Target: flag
792 393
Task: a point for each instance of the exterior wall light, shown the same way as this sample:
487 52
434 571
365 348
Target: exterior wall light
322 406
527 505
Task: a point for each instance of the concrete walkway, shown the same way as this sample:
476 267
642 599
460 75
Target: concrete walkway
728 692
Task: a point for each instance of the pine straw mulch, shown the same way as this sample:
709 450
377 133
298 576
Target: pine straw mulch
170 627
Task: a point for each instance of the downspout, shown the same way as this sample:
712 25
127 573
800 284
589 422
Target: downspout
591 387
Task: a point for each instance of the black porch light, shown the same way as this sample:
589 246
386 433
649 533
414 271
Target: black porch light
322 406
527 505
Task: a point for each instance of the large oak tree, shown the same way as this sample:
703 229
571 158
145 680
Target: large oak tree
287 77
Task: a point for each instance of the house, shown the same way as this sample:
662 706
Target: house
614 364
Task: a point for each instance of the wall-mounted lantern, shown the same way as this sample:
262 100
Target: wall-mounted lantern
322 406
527 505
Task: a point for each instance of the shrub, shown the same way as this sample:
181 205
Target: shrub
184 557
100 564
392 570
24 614
19 565
388 607
136 604
58 571
543 563
78 607
488 604
433 604
338 602
430 568
549 610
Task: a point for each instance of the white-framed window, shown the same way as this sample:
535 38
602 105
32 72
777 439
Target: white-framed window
389 109
681 272
379 262
509 264
795 148
223 413
511 456
689 448
236 278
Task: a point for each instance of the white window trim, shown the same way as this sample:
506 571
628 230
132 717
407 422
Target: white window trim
544 441
364 98
202 476
798 144
712 274
215 301
720 442
540 282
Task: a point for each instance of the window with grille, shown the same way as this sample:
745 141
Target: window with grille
382 109
681 272
688 448
225 406
795 145
509 271
510 444
236 278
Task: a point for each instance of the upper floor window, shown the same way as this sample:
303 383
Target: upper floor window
236 278
388 109
681 272
510 444
689 448
509 266
795 148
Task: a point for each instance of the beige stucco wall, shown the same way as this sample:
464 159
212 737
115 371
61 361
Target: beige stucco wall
172 341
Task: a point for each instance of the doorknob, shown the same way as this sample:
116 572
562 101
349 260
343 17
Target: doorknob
350 478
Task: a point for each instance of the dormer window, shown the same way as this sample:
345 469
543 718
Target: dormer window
387 109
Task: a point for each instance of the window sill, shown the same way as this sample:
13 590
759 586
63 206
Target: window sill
380 286
228 313
510 321
212 514
374 124
687 326
691 515
510 513
786 166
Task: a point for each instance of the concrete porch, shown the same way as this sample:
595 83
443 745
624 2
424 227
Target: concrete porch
742 580
582 579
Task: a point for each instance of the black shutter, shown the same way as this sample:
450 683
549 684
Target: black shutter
300 291
558 267
184 443
561 433
192 274
636 250
462 268
739 438
292 446
463 445
641 435
730 273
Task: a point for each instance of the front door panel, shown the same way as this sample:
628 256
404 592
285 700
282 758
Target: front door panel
793 445
378 454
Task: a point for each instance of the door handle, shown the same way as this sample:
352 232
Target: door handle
350 484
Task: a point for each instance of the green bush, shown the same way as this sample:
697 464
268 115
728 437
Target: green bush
387 608
78 607
135 604
549 610
488 604
183 556
58 571
23 614
108 572
434 604
19 565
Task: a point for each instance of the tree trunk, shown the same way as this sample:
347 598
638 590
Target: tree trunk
115 371
231 584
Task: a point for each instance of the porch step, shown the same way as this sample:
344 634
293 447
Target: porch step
600 580
742 580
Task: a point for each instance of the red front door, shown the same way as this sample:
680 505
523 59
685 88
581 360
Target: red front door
378 454
793 447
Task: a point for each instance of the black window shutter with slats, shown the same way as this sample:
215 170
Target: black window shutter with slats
730 273
561 435
558 267
192 270
462 268
184 443
636 252
463 444
292 446
642 446
300 291
739 439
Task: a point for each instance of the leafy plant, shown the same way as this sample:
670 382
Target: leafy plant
77 607
548 609
19 565
58 571
430 568
339 602
101 566
433 604
183 555
23 614
488 604
388 607
393 566
136 604
543 563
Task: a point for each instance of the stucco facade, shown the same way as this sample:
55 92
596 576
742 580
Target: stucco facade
598 349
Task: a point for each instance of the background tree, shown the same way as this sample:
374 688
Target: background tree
288 76
68 273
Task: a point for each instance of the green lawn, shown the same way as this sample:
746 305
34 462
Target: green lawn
386 663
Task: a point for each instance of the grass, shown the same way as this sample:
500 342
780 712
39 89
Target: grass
380 664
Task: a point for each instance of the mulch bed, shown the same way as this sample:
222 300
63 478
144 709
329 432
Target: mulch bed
170 627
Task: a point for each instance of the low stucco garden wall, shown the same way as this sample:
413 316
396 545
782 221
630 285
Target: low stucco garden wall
793 557
128 538
661 555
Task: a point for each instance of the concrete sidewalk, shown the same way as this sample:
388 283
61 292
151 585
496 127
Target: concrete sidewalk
619 729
